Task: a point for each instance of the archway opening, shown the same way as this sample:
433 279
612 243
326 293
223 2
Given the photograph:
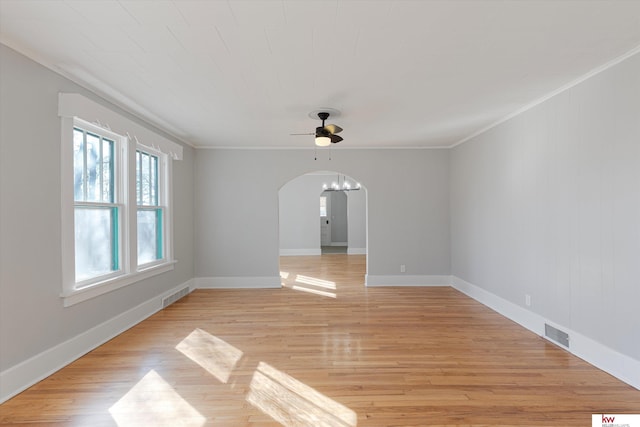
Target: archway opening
323 225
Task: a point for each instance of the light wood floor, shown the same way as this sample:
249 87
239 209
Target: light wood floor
324 351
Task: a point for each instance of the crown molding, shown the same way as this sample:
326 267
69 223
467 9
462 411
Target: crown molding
572 83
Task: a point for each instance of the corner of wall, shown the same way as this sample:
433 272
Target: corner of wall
602 357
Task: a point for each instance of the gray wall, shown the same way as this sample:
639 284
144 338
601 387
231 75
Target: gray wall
32 316
548 204
237 207
299 215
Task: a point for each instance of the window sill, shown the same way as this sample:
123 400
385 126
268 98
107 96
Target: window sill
79 295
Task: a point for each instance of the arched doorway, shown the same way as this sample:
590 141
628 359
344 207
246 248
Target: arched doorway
302 216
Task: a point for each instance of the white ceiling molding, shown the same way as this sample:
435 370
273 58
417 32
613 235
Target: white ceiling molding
76 105
320 150
550 95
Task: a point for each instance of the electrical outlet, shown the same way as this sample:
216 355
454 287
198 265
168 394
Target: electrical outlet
402 268
527 300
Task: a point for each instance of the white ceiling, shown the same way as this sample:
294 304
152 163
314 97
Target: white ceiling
243 73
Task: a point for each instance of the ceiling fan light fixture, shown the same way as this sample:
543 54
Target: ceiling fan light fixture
325 135
323 141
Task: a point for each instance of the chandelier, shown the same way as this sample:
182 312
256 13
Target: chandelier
344 186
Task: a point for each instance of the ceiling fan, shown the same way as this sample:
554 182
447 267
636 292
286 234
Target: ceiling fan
325 135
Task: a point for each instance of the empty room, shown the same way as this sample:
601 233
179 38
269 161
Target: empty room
319 213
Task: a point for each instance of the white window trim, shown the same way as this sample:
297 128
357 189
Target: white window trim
165 202
100 288
73 108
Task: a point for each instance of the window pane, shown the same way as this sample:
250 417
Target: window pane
149 235
93 165
107 170
153 174
323 206
78 164
147 192
96 236
138 178
146 180
93 168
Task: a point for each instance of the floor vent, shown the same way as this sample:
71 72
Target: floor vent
167 301
556 335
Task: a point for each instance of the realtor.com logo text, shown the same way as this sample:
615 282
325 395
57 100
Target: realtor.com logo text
615 420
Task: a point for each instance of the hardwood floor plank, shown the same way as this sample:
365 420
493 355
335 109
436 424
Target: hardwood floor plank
324 350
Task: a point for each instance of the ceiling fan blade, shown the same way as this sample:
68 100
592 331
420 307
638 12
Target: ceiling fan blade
320 131
335 138
301 134
333 128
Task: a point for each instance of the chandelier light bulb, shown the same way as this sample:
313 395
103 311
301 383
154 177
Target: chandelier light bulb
341 185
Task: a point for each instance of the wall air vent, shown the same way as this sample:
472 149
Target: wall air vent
556 335
168 300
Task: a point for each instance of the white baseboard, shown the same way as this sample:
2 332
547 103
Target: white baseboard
250 282
300 252
520 315
356 251
407 280
313 252
25 374
619 365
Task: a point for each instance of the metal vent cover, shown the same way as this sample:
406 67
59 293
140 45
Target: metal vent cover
167 301
556 335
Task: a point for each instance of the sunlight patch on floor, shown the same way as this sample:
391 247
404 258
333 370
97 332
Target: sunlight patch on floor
284 275
215 355
313 281
313 291
153 402
293 403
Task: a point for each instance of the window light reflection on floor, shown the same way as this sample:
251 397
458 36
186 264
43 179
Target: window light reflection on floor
153 402
313 291
315 282
215 355
293 403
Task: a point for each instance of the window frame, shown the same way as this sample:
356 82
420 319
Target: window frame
161 205
323 205
129 271
117 203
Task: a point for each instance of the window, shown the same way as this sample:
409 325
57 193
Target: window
97 212
104 218
323 206
116 201
149 212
